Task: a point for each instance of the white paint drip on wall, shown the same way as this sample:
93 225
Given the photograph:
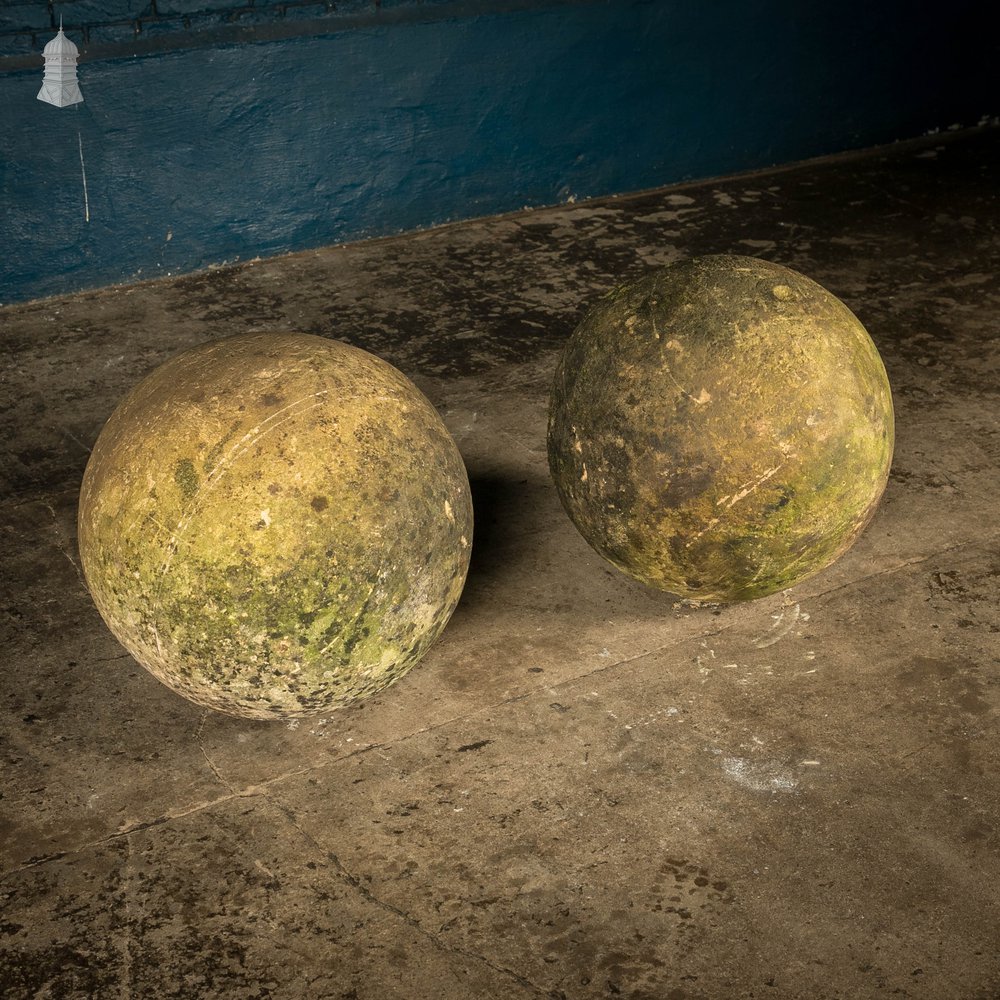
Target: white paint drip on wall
83 171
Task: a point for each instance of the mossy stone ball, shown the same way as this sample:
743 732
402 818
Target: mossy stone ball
275 525
720 429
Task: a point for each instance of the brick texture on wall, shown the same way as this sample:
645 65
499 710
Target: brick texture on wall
27 25
110 28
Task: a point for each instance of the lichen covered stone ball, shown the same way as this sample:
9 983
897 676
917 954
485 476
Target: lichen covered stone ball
275 525
720 429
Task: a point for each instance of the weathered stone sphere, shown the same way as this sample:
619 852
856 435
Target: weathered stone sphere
275 525
720 429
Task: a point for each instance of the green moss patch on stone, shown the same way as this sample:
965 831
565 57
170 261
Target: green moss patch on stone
276 525
186 478
721 428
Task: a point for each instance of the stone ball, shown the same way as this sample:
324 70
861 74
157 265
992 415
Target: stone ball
275 525
720 429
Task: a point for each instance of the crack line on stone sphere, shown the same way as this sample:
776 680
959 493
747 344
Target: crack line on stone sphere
708 527
263 433
215 475
356 618
257 432
669 371
746 490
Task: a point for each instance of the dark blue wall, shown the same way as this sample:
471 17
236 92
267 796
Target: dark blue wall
211 133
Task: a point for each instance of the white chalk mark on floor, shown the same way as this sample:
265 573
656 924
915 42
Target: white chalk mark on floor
784 622
757 777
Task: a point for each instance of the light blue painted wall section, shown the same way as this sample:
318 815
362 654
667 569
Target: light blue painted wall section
244 139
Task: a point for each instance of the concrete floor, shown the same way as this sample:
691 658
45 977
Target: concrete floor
586 789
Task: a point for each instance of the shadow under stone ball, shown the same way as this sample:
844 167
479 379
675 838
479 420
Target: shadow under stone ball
275 525
720 429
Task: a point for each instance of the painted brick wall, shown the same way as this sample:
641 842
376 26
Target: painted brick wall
211 132
25 25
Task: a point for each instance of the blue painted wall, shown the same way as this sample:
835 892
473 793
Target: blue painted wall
211 132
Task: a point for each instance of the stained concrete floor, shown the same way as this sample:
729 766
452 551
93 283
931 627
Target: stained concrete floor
586 789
